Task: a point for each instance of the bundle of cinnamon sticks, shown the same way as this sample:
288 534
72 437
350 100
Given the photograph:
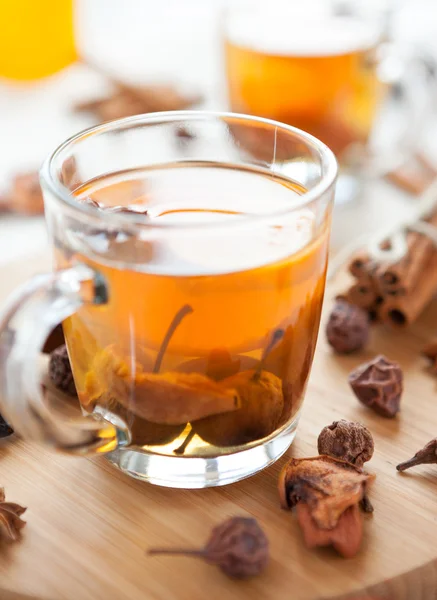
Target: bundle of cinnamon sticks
396 293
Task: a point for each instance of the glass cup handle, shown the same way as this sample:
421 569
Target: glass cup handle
26 320
404 71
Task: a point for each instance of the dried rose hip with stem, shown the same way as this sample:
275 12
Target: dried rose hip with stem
238 546
426 456
262 403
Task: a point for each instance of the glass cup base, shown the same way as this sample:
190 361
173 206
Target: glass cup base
197 473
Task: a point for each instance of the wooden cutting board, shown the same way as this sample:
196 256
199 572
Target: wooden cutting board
88 525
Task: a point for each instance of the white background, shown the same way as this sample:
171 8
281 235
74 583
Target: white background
149 40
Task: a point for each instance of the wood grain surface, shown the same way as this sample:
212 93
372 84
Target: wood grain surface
89 525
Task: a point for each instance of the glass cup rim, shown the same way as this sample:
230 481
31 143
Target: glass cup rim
62 194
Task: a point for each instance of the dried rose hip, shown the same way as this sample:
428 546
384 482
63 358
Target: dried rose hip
238 546
348 441
60 371
379 384
348 327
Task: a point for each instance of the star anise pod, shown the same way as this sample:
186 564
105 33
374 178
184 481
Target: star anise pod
10 522
238 546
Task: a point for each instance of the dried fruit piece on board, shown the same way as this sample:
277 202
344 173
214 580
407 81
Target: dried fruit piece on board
348 327
328 488
238 546
327 485
351 442
25 196
427 455
348 441
378 384
5 429
345 537
10 521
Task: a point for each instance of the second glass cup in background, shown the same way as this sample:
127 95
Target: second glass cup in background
322 67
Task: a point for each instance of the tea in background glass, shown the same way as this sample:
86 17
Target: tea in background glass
318 74
317 68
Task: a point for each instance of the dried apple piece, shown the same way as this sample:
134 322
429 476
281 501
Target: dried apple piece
328 487
326 492
345 537
175 398
168 398
219 364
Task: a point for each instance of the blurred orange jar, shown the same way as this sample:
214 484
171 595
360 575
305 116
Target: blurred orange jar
36 38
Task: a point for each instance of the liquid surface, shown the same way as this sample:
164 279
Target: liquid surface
208 331
299 34
202 197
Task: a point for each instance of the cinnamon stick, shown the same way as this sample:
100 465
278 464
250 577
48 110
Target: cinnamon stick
426 164
401 310
363 293
400 278
5 205
413 177
361 265
398 292
412 182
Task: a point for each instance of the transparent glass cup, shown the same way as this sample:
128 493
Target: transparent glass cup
189 277
328 67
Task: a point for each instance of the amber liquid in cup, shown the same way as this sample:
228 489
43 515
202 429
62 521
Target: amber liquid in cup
208 333
317 76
